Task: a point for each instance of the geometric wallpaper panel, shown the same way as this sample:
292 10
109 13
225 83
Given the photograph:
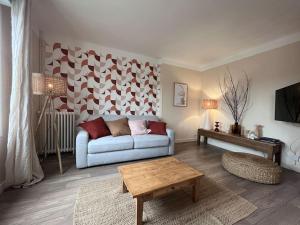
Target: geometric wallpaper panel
103 84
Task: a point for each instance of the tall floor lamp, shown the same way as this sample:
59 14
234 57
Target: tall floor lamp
208 104
50 87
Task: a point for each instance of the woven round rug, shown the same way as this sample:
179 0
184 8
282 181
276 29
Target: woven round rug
102 202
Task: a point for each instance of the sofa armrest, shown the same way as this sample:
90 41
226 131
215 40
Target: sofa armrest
171 135
82 140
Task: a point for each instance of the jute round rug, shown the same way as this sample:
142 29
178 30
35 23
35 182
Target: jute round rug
102 202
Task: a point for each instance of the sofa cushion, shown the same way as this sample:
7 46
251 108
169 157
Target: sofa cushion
110 144
150 140
156 127
119 127
137 127
96 128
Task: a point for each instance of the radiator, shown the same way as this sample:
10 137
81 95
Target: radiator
65 122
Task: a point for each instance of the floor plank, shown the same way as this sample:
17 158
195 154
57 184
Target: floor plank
52 200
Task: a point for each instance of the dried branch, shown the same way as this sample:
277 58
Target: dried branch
234 94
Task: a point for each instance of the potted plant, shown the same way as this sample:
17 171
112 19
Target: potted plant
235 95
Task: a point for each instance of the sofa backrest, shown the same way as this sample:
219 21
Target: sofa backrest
112 117
116 117
152 118
130 117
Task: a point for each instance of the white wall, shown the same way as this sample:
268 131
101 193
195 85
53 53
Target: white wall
35 68
267 71
5 80
184 120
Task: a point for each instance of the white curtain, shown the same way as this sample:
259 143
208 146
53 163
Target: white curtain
5 75
22 164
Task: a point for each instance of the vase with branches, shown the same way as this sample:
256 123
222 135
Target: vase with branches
235 95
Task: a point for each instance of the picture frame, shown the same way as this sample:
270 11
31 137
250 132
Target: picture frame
180 94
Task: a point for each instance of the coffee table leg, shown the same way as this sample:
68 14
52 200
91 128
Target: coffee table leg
196 190
139 210
124 187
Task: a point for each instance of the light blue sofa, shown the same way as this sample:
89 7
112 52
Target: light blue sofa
111 149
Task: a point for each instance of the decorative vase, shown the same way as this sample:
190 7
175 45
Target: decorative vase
236 129
259 130
217 126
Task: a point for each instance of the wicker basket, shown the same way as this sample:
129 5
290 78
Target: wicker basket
252 167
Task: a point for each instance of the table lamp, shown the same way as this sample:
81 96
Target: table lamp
208 104
51 87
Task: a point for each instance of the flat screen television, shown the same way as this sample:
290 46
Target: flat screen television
287 104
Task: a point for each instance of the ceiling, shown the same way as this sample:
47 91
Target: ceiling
191 33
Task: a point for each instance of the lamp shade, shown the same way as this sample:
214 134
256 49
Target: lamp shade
48 85
209 104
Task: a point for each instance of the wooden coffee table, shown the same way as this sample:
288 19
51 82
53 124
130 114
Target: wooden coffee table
148 180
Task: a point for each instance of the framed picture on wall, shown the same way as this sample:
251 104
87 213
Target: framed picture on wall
180 98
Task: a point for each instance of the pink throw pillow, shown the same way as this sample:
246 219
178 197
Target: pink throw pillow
138 127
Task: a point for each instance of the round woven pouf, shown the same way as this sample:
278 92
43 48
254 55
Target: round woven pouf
252 167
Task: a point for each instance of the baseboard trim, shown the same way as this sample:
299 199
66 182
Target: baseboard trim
185 140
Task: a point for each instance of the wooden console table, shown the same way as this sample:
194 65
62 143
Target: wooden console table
273 150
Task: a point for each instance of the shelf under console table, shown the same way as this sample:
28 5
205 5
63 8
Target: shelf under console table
273 150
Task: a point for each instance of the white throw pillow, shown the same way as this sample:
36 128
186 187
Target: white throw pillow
138 127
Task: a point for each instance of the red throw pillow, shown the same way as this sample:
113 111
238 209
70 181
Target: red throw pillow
96 128
157 127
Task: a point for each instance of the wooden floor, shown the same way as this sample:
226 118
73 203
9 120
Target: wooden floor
51 201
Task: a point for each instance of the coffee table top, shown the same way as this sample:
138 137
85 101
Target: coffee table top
145 177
